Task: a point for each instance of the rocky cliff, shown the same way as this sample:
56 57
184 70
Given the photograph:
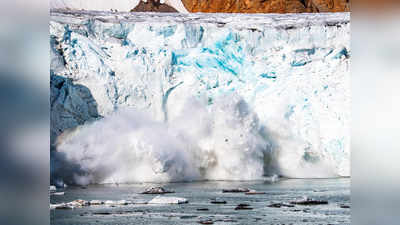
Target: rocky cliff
249 6
153 6
266 6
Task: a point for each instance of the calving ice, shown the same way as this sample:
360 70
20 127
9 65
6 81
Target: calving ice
181 97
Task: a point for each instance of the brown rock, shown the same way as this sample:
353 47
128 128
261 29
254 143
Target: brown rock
249 6
327 5
153 6
266 6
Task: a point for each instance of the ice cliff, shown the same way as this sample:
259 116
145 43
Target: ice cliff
214 96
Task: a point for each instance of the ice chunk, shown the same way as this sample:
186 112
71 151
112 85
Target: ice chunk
52 188
109 202
168 200
69 205
157 190
96 202
309 201
60 206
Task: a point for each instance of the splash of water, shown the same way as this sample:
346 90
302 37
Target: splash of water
222 141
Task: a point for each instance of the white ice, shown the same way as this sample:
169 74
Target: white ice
167 200
108 5
200 96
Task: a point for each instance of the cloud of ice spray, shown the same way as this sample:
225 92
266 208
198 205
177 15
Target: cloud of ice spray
221 141
293 157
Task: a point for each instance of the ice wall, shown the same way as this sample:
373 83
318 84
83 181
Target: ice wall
290 72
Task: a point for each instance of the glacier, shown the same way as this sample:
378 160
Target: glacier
101 5
150 97
110 5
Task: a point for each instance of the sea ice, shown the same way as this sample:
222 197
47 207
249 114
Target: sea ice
168 200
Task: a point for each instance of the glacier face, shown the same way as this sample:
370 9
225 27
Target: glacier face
270 94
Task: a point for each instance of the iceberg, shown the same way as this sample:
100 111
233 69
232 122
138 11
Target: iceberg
139 97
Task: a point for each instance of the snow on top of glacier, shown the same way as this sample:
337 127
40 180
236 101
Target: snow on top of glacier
285 21
107 5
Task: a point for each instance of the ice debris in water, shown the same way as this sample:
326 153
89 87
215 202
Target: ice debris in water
81 203
52 188
157 190
254 192
309 201
70 205
168 200
115 203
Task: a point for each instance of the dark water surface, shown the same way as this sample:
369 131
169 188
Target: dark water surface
199 194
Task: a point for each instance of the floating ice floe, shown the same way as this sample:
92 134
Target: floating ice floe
279 205
309 201
60 206
243 206
81 203
52 188
157 190
254 192
168 200
208 221
96 202
70 205
115 203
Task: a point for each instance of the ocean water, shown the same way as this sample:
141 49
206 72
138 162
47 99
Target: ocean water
199 195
